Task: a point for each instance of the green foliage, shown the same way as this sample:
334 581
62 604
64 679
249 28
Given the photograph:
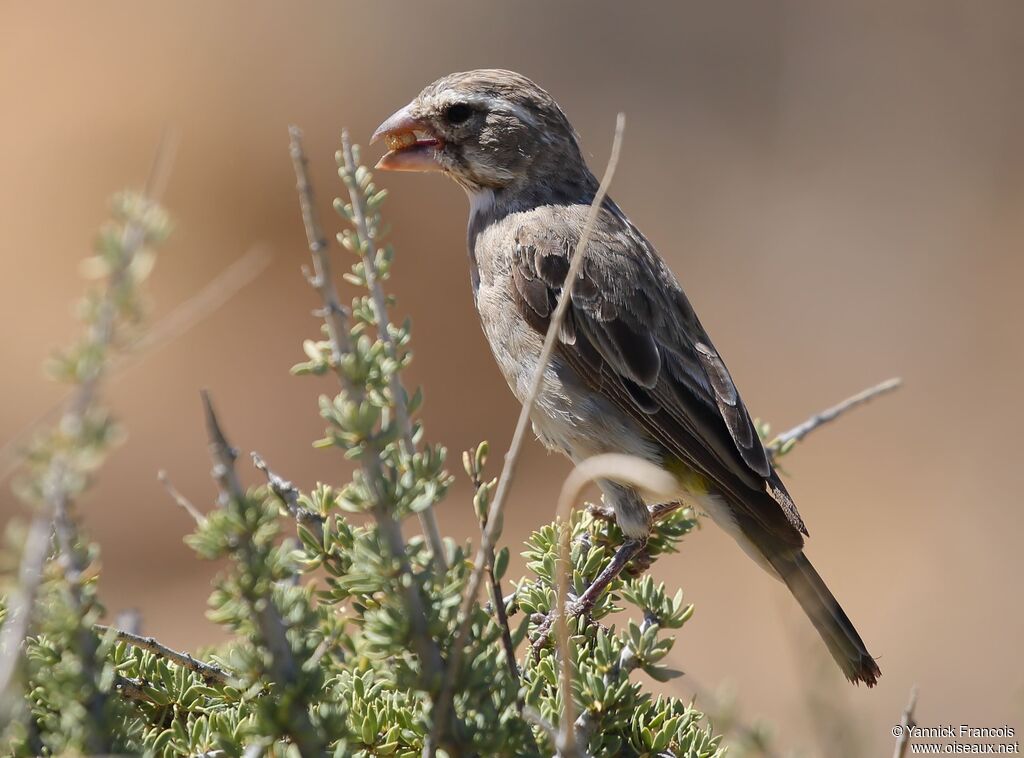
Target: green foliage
620 717
332 620
68 679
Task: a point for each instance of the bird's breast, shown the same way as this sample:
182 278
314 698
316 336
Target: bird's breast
568 416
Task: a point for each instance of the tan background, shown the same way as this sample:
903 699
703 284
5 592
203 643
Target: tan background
839 187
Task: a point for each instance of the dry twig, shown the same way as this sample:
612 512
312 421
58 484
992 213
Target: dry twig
19 611
786 440
211 673
497 604
183 502
288 494
907 723
282 666
196 309
496 511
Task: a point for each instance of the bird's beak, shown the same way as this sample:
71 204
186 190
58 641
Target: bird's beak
412 144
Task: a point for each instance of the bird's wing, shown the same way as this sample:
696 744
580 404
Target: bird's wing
633 336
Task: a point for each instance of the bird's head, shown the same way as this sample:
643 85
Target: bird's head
487 129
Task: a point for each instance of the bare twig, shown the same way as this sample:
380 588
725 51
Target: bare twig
200 306
907 723
283 667
497 604
506 630
19 611
495 513
368 251
625 469
335 316
163 161
211 673
182 318
179 498
223 455
786 440
336 321
288 494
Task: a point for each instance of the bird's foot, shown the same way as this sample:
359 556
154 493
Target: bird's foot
584 604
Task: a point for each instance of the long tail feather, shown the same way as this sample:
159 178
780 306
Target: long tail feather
828 618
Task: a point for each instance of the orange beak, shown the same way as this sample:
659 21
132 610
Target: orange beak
412 145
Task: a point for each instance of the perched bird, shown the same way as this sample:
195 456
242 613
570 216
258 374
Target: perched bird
634 370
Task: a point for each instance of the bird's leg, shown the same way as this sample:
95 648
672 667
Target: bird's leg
627 550
643 560
585 603
634 518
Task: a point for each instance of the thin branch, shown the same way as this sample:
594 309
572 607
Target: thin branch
506 630
786 440
368 251
211 673
19 610
907 723
497 604
178 498
288 494
200 306
163 161
283 668
223 455
336 321
196 309
625 469
495 514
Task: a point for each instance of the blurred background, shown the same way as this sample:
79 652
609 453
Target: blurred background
840 188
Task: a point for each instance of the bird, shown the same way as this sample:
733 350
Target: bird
634 371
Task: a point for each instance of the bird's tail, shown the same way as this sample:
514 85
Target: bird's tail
828 617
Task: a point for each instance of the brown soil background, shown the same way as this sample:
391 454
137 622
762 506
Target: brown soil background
839 187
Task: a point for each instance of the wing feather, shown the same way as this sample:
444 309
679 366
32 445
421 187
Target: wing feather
633 336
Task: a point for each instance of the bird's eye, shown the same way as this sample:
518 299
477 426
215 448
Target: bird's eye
457 113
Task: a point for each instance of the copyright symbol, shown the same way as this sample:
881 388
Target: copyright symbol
897 731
